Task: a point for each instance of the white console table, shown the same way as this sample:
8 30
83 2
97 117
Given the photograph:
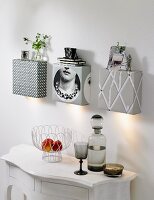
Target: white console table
39 180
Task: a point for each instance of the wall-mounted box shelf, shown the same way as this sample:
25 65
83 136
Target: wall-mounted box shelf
29 78
71 83
120 91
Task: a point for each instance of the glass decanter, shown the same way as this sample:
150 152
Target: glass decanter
96 145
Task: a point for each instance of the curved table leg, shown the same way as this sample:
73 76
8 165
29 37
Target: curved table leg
25 197
9 190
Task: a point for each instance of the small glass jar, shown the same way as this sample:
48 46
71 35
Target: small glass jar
24 55
96 145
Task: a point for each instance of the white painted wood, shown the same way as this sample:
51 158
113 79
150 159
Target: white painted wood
39 180
17 173
62 190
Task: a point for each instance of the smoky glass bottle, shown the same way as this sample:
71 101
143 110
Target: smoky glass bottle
96 145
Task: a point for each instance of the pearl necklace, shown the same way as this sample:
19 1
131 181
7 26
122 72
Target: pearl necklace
65 95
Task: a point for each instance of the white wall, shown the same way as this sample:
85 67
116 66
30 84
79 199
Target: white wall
92 26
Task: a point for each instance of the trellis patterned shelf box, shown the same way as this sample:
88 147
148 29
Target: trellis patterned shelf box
71 83
120 91
29 78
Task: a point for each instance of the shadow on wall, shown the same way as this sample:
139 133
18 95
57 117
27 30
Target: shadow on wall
89 57
135 63
48 99
148 93
147 85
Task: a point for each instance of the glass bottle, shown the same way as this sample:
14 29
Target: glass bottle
96 145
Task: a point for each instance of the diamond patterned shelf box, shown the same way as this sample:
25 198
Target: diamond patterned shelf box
120 91
29 78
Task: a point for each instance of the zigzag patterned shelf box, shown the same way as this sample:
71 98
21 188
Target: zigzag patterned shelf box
120 91
29 78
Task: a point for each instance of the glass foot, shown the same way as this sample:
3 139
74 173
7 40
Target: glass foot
80 172
52 156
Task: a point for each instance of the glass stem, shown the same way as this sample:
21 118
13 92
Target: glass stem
81 165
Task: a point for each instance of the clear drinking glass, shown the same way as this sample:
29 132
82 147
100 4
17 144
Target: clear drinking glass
81 151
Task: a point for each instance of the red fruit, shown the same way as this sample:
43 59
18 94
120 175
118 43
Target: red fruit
47 145
57 146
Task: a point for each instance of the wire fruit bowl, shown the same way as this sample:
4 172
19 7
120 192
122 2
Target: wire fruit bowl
51 139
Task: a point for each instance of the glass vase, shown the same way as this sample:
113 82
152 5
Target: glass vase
38 55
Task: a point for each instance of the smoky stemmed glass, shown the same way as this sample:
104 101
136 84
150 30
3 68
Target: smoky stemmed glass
81 151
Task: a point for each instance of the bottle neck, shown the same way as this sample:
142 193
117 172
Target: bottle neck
97 131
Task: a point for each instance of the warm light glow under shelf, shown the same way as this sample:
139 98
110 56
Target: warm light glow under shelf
128 127
35 100
76 110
